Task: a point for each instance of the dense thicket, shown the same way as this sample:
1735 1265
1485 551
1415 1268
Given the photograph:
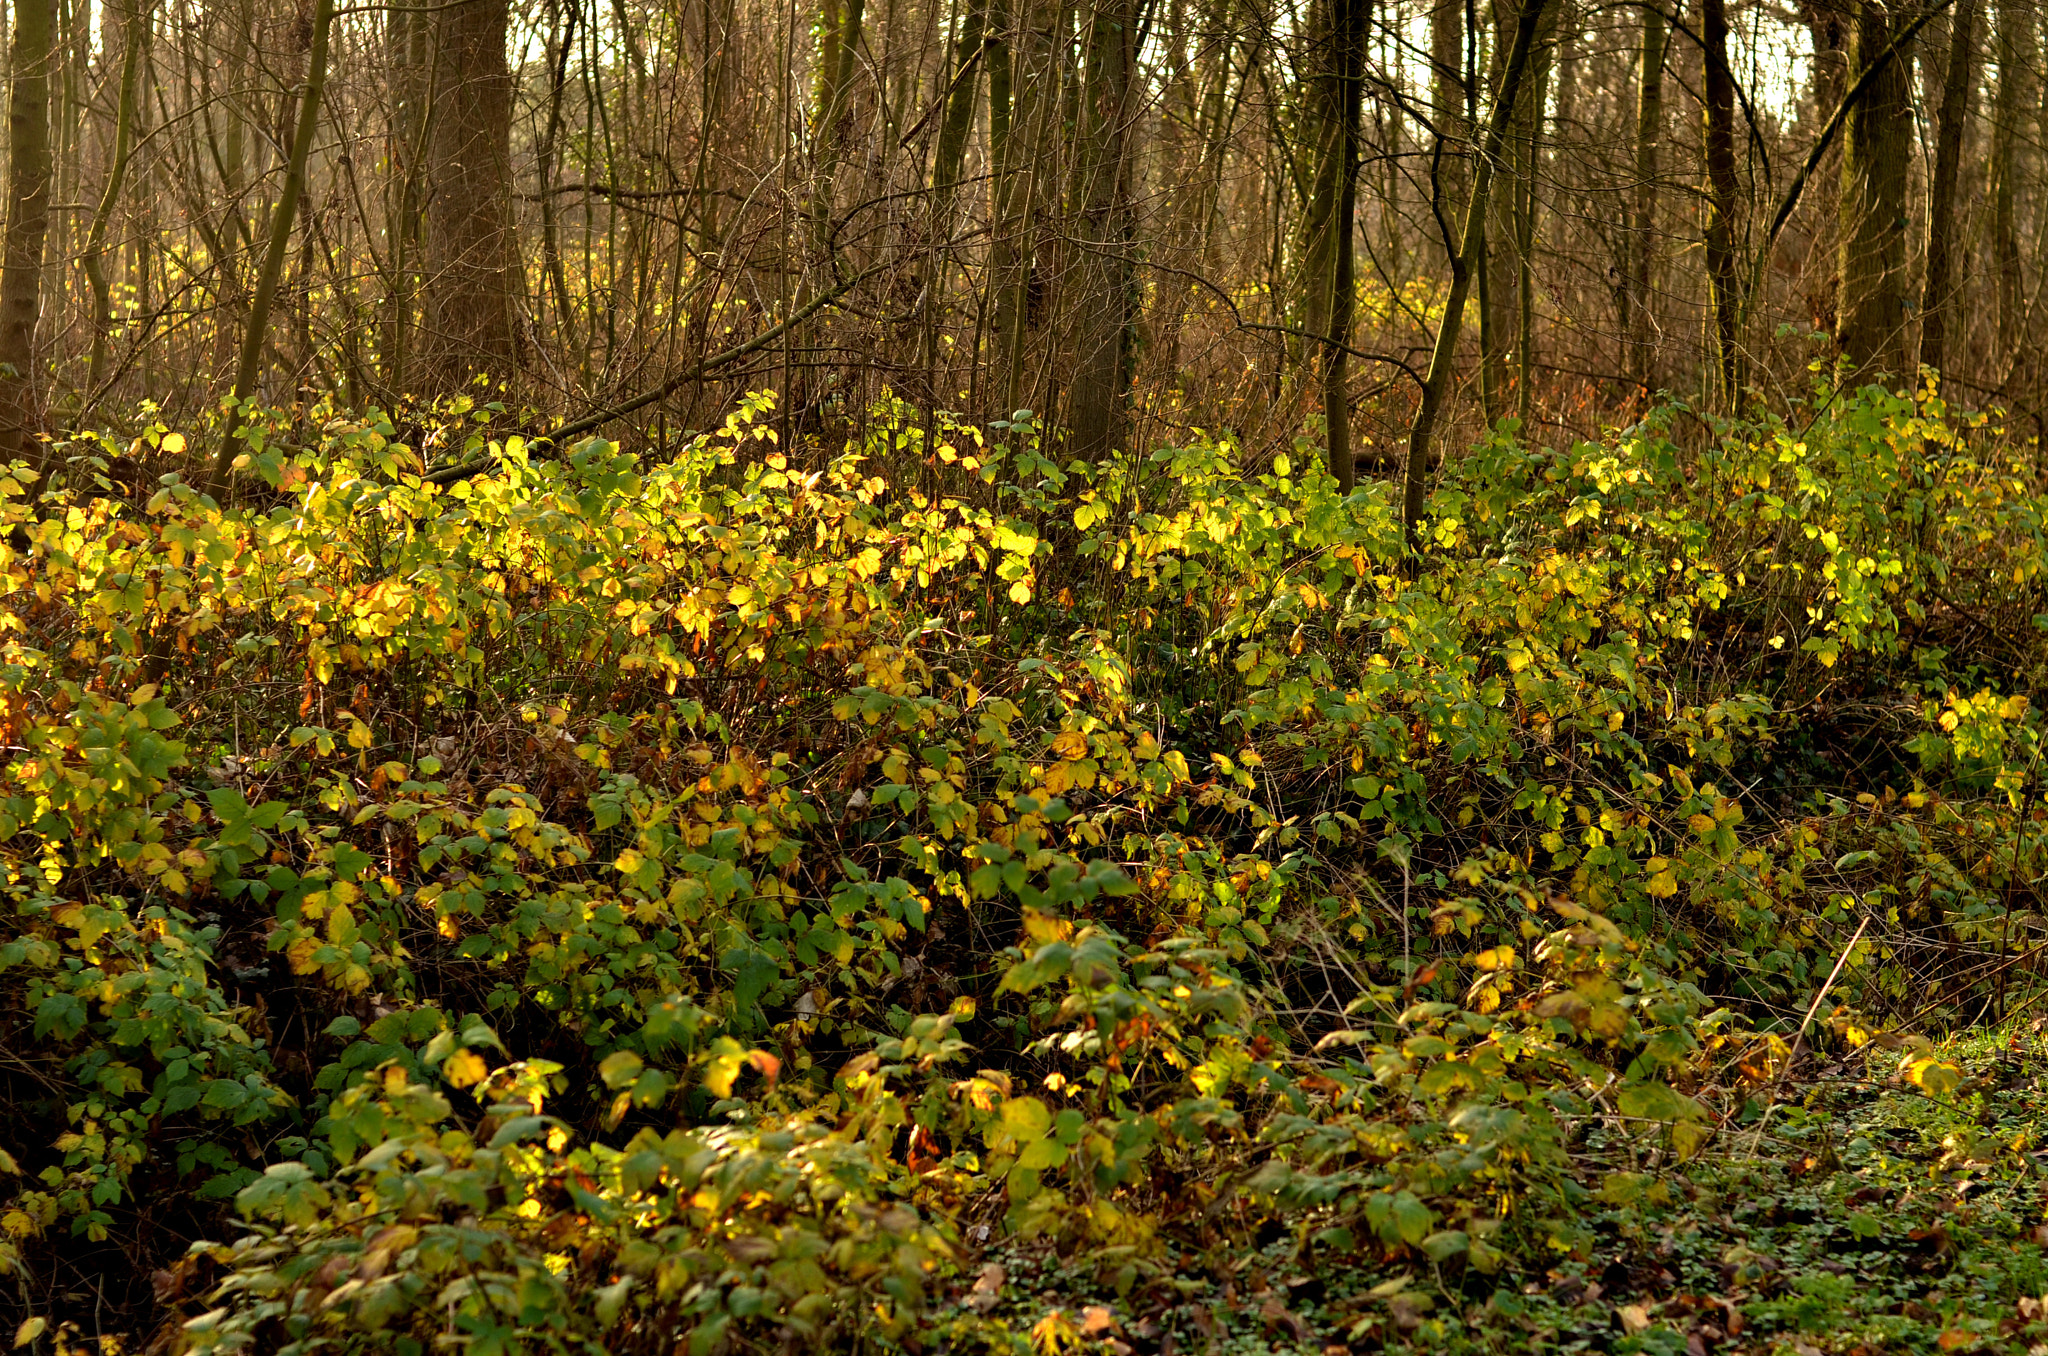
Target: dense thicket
710 677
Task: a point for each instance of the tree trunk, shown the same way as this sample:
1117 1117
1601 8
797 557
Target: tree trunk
1527 205
1719 126
281 217
1637 315
1101 188
946 171
28 222
470 262
1871 272
1443 355
409 54
2012 47
130 27
1500 264
1449 100
1948 157
1336 91
838 49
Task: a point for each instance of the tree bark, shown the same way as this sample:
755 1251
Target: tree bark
1443 355
1871 269
1337 89
131 26
281 217
1718 117
1948 156
1449 99
1102 170
2012 46
28 222
470 261
1500 264
1642 250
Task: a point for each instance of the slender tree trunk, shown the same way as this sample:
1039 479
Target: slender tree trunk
1338 85
1436 386
1527 205
1637 312
1101 187
28 221
838 50
279 242
1501 266
410 57
1449 99
1719 128
1020 111
471 263
132 27
2013 49
1948 158
947 167
1871 273
547 155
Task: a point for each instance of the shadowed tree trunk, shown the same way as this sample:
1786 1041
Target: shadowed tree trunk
1877 143
28 222
1338 84
1500 267
130 26
2012 49
281 218
1102 168
470 261
1718 117
1448 100
1642 246
1948 157
1436 386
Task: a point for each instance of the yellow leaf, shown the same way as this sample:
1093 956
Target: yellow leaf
174 443
1932 1075
1070 744
1688 1138
463 1068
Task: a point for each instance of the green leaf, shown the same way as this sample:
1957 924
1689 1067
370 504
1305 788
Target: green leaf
1445 1244
620 1068
1657 1102
1411 1217
518 1128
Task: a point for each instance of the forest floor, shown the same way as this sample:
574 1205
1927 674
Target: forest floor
1864 1218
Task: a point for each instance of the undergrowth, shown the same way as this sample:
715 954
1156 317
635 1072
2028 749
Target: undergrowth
927 895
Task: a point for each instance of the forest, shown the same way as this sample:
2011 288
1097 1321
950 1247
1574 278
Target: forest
1033 677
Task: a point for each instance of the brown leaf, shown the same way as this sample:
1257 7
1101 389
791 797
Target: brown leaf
1278 1315
988 1288
1634 1318
1097 1321
1408 1310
